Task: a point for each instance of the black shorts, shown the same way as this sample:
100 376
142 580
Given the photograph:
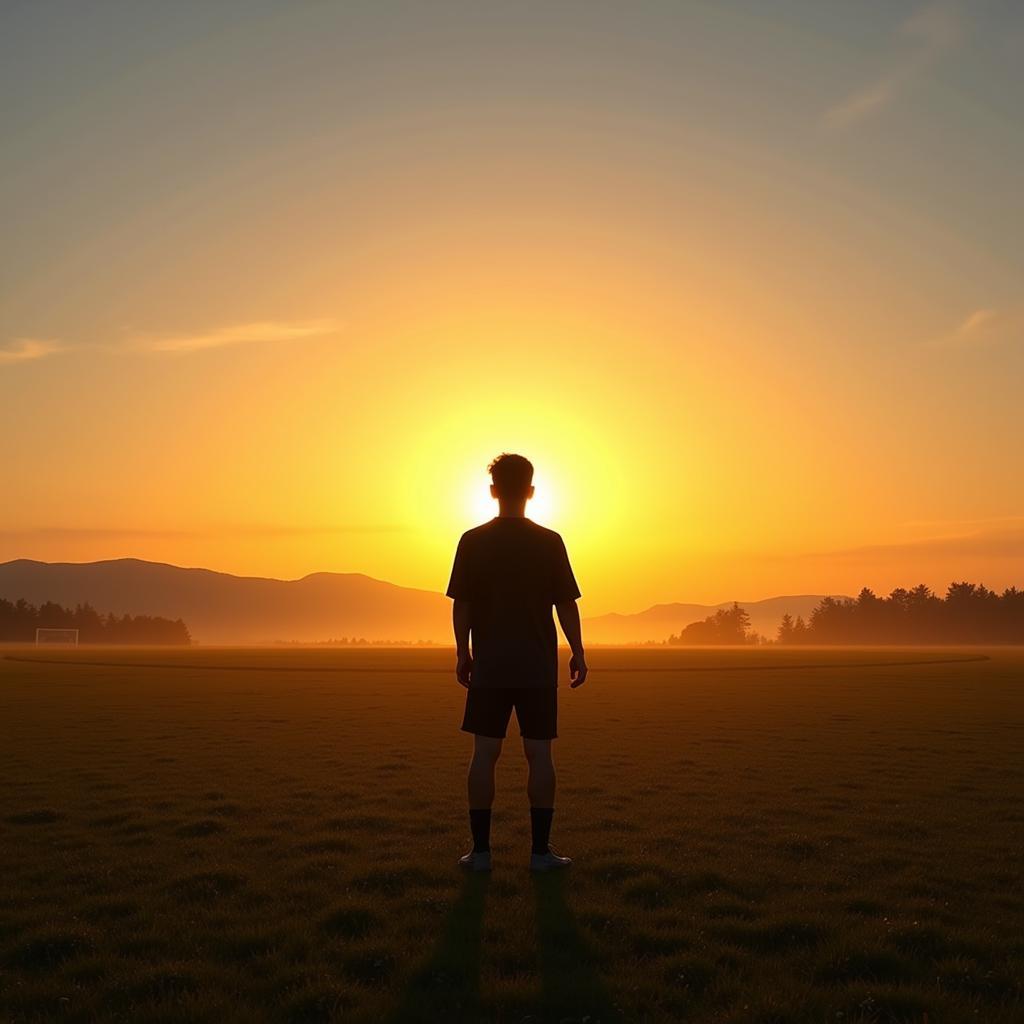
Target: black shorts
488 709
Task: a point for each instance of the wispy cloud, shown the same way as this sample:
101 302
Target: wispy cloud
992 554
238 334
998 543
959 544
25 350
922 40
947 525
246 531
980 321
985 326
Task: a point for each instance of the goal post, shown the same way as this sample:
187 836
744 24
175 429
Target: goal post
58 637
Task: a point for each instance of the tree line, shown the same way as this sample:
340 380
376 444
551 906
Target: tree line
19 621
969 613
726 626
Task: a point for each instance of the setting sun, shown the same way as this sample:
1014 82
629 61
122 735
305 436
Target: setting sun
541 507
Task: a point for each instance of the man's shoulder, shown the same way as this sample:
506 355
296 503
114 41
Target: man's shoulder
494 528
476 531
551 536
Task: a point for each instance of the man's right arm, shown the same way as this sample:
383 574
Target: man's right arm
464 660
569 618
459 590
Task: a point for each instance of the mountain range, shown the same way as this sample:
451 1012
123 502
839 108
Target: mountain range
224 609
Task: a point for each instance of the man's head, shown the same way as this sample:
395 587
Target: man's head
511 478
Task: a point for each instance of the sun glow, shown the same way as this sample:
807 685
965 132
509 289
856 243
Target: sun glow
541 508
441 484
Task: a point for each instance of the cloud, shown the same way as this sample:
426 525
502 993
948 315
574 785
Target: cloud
924 37
1002 543
239 334
980 321
983 550
861 103
985 326
999 540
25 350
996 522
227 532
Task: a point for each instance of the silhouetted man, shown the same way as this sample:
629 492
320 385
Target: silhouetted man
508 574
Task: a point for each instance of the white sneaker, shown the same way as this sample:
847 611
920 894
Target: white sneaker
549 861
474 861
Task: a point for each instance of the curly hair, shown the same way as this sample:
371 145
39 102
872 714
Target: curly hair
511 475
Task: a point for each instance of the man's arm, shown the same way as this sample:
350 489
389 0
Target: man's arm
460 622
569 619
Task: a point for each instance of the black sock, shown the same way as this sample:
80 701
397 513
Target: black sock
540 821
480 826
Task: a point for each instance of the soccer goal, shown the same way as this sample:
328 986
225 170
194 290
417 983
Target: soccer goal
59 637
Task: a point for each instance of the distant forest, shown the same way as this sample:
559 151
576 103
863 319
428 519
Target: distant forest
19 621
968 614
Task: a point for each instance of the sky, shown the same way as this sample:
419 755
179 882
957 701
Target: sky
744 281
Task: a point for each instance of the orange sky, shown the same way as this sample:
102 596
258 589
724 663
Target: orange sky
744 286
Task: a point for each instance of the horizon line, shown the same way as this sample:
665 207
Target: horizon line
424 590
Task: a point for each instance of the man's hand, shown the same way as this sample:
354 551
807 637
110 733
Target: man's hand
464 669
569 619
577 670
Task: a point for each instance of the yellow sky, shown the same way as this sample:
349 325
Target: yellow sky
753 310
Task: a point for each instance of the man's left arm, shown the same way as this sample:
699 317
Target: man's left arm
566 591
569 619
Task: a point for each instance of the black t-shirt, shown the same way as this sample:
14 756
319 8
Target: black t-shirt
512 571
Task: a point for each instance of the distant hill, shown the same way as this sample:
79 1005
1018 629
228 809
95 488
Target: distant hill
660 621
220 608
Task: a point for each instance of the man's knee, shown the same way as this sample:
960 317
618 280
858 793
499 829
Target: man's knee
486 749
537 751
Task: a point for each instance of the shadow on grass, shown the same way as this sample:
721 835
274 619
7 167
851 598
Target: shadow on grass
570 984
447 988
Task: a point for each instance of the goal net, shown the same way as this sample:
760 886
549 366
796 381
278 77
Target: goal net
60 637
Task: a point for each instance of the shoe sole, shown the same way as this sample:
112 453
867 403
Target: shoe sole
543 869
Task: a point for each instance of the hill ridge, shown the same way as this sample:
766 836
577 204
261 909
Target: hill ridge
222 607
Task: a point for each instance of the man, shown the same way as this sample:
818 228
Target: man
508 574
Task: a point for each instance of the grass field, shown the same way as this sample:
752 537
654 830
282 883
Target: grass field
760 836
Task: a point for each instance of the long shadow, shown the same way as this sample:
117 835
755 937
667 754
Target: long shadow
447 987
571 986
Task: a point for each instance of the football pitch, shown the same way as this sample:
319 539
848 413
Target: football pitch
761 836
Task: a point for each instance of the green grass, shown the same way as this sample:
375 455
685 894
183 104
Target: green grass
270 835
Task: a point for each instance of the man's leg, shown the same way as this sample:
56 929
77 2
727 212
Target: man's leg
480 789
540 784
540 788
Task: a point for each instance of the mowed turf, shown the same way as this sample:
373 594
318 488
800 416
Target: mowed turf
760 836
